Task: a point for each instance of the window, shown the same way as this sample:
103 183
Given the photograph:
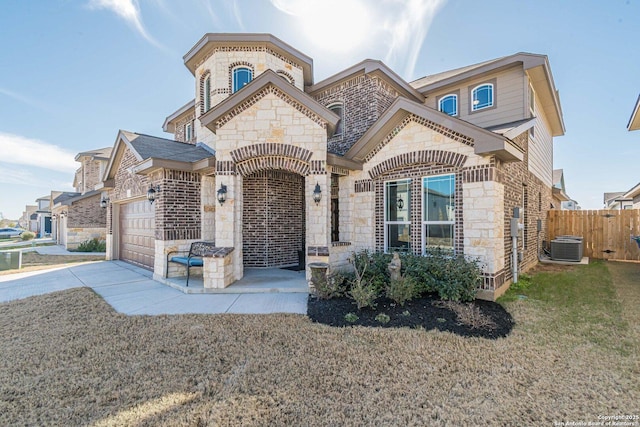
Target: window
449 104
397 216
438 212
482 97
338 109
532 101
188 132
207 94
335 209
241 77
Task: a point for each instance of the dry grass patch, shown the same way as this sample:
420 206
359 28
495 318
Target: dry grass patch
69 359
33 261
469 315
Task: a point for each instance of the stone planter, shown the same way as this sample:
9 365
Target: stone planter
318 273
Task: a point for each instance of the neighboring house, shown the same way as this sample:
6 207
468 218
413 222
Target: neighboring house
617 201
634 124
78 216
42 217
25 220
286 170
560 198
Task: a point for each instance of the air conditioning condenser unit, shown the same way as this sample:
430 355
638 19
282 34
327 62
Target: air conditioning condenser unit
566 249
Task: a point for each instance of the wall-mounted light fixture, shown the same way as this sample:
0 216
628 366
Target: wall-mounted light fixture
63 214
222 194
151 193
104 201
317 194
400 203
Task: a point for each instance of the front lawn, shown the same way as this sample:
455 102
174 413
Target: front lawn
68 359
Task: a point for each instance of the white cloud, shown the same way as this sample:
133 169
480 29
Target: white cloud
408 29
20 150
128 10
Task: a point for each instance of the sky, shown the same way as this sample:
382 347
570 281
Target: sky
74 72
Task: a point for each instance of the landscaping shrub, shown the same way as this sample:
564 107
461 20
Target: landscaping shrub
459 279
362 291
374 267
93 245
401 290
334 287
27 235
383 318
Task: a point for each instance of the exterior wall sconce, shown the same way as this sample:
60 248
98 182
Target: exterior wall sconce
400 203
151 193
104 201
222 194
63 214
317 194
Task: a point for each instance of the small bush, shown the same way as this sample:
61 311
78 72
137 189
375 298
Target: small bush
351 317
374 267
469 315
383 318
334 287
401 290
93 245
27 235
363 294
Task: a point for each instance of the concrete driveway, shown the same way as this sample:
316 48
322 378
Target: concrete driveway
131 290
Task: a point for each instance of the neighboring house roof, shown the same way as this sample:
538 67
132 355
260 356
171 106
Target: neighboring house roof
154 153
268 78
212 40
608 197
536 66
374 67
634 121
169 124
633 192
64 197
71 198
558 189
97 154
47 197
485 142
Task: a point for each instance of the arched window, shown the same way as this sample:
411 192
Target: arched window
482 97
449 104
241 77
206 93
338 109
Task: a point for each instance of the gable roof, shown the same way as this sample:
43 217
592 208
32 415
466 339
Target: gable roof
268 78
211 40
634 121
485 142
169 124
97 154
373 67
536 66
633 192
153 153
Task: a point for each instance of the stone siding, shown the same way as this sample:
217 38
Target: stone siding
76 236
364 99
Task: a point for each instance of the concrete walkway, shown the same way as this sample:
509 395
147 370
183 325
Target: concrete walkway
131 290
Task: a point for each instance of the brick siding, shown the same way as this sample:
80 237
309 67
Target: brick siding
87 213
273 219
178 210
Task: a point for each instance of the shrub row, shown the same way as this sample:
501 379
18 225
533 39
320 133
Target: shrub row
453 278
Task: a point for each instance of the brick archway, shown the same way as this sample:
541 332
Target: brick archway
448 158
269 156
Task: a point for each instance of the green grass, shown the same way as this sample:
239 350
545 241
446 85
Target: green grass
580 302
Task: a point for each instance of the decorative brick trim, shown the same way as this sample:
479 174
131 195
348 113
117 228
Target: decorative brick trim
201 85
419 157
258 164
239 64
226 167
456 136
317 251
363 186
493 281
318 167
261 94
335 244
247 49
286 75
268 149
337 170
481 173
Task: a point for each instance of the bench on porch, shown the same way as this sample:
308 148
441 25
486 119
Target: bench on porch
193 258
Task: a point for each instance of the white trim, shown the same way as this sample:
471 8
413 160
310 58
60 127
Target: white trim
455 97
384 207
341 115
424 210
233 77
473 104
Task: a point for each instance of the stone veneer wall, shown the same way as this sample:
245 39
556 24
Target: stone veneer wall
364 99
273 219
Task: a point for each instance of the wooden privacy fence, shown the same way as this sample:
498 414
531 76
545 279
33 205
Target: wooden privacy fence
606 234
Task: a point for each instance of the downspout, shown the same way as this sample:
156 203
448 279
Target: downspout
515 228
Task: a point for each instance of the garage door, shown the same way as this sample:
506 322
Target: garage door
137 233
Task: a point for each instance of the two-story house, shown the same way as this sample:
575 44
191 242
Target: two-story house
79 216
280 170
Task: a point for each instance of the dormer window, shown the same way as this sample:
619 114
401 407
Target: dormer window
482 97
241 77
338 109
449 104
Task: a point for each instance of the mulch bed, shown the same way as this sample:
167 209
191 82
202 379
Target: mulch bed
428 312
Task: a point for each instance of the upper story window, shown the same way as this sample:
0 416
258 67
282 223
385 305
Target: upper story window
338 109
205 95
241 77
188 132
449 104
482 97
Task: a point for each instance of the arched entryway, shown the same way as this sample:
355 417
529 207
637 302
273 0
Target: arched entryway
273 219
